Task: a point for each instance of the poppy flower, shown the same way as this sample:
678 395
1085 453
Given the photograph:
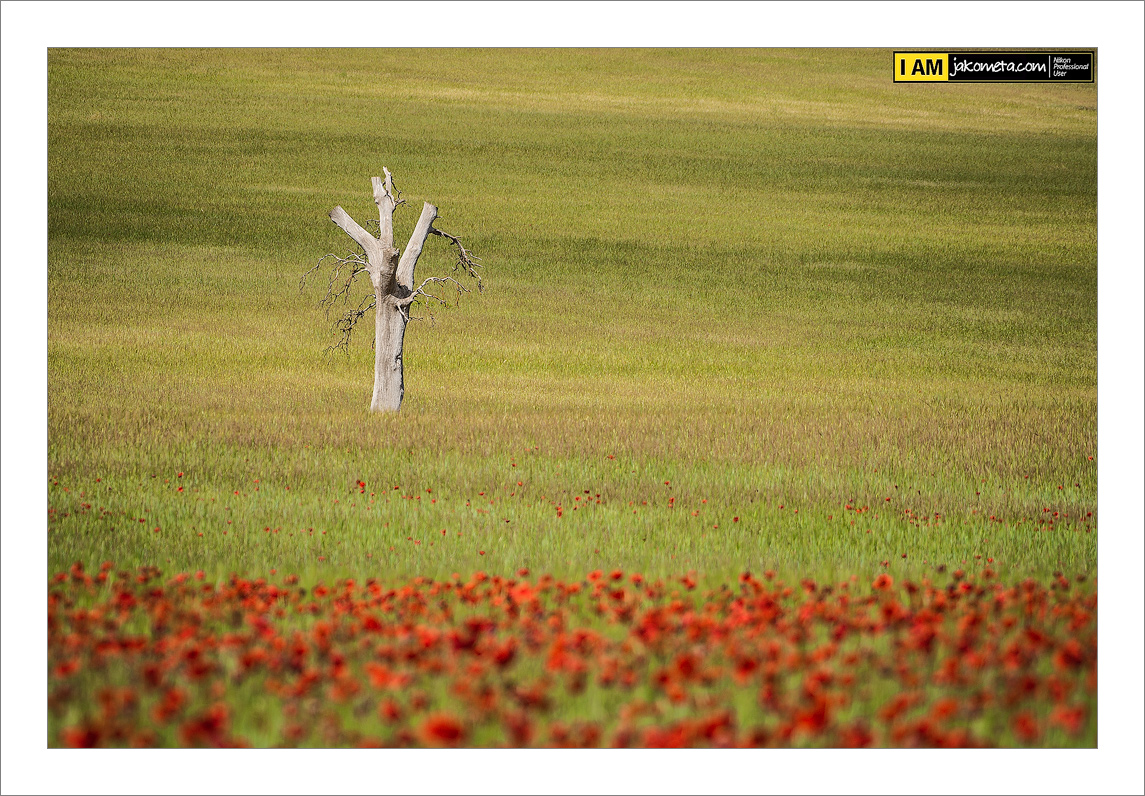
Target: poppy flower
1026 728
81 737
1070 719
442 730
368 655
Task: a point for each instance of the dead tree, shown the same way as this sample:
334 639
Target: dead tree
392 275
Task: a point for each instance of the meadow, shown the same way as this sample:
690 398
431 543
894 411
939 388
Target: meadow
744 312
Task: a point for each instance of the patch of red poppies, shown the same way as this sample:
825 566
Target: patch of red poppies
613 660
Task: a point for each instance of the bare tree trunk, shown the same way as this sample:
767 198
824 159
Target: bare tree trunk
393 285
392 276
389 336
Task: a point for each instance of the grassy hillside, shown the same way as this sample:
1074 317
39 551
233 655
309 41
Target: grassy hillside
764 285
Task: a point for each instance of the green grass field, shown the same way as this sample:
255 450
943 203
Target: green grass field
757 284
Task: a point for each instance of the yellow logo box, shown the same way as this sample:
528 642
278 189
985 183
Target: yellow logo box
918 67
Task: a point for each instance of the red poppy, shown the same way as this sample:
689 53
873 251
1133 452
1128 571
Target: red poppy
390 711
443 730
1070 656
1070 719
856 736
490 641
81 737
1026 728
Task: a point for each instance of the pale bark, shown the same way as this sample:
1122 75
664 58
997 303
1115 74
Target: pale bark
384 199
392 275
408 261
355 231
389 337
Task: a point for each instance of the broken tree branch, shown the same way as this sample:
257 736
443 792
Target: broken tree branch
338 287
421 292
386 201
423 297
352 228
465 260
406 264
348 322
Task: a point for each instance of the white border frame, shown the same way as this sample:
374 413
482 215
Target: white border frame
1114 28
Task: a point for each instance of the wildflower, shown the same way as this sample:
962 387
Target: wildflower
1070 655
171 703
390 711
1026 728
1070 719
944 709
81 737
856 736
520 727
442 730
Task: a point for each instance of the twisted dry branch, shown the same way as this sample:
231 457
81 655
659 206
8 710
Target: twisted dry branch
395 194
338 286
347 323
424 297
465 259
